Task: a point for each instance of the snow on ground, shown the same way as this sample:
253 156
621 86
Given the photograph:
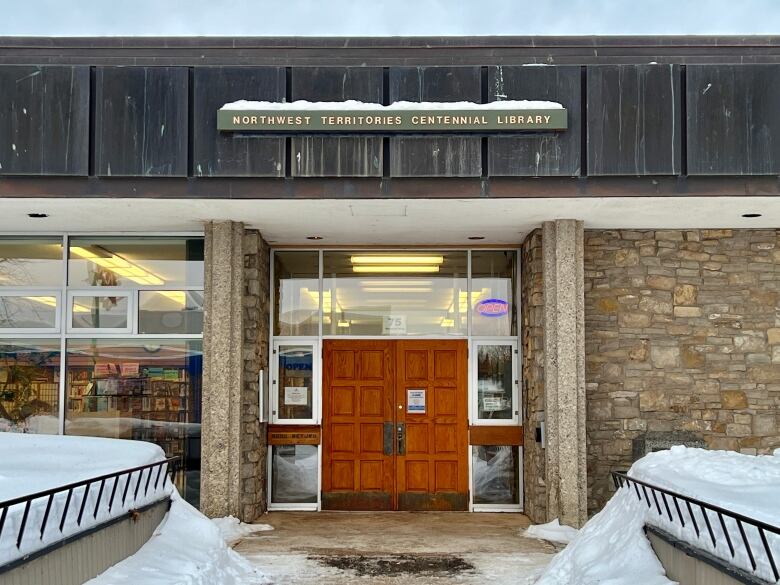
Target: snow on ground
233 530
395 106
186 549
552 531
33 463
612 547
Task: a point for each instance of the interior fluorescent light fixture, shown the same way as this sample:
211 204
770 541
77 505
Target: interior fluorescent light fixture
391 268
394 289
396 259
120 266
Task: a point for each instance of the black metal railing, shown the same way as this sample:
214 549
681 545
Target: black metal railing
105 484
684 507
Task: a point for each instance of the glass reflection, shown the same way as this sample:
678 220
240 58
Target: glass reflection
28 312
296 382
297 287
29 385
494 381
496 474
99 312
134 262
170 311
493 277
401 293
294 474
31 262
147 390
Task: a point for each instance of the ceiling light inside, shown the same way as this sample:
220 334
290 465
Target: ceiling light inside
391 268
118 265
396 259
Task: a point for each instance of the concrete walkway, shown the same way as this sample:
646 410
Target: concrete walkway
396 547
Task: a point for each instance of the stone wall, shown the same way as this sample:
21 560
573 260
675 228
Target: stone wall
682 336
255 358
531 319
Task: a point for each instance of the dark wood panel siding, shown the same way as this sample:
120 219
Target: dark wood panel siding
234 154
544 154
141 120
44 120
634 120
333 156
435 156
733 119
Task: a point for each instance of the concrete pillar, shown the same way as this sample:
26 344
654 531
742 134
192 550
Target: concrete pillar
564 371
221 450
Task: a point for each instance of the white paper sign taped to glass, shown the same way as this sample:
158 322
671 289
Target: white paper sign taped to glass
394 325
492 404
296 395
415 401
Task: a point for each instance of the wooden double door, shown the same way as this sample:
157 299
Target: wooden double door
395 425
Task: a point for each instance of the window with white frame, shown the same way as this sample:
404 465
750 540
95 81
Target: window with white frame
102 336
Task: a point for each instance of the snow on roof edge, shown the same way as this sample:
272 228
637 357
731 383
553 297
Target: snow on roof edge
242 105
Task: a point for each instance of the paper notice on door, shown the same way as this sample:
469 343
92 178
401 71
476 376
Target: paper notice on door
492 404
415 401
296 395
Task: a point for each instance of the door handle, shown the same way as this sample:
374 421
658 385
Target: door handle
401 438
387 439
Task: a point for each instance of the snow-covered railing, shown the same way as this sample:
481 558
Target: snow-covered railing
33 522
744 542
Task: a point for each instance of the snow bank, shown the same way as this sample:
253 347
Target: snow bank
552 531
33 463
242 105
233 530
612 547
186 549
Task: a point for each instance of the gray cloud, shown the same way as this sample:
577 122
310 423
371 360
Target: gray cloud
394 17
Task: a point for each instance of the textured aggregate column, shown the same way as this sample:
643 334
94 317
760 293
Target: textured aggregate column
564 363
222 370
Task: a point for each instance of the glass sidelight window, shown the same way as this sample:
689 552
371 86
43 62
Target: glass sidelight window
493 278
295 474
297 293
495 382
295 382
496 475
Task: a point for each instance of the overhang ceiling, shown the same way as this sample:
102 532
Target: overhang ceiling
385 222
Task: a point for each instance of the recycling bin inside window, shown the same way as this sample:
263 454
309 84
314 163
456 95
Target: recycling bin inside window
294 474
496 474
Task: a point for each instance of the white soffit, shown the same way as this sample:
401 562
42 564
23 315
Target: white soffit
385 222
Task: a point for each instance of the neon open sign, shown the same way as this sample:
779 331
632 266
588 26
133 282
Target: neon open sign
492 308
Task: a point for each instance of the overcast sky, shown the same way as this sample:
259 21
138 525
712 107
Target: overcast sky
380 17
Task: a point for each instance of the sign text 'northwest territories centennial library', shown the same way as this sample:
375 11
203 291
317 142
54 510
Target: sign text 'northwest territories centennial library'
393 274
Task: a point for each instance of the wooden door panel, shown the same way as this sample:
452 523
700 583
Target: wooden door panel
358 399
432 473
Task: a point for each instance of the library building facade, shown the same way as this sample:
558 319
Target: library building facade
471 274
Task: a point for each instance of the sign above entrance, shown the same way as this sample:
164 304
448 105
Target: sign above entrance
406 117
